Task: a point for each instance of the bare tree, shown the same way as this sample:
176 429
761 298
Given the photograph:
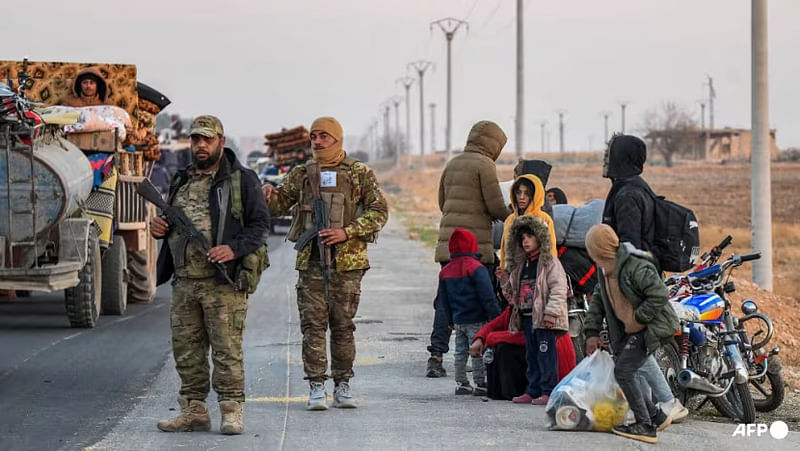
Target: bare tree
671 130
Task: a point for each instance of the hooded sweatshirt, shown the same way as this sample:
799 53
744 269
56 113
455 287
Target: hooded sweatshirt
550 287
534 208
78 100
469 193
602 244
465 289
630 204
640 286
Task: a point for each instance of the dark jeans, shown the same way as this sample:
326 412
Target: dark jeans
629 359
440 336
540 353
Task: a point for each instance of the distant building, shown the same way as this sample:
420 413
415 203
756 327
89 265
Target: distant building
718 144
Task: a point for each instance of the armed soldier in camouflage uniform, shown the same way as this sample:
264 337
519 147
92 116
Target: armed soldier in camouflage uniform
356 211
206 309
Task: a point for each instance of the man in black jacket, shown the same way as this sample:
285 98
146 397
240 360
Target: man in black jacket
630 206
206 310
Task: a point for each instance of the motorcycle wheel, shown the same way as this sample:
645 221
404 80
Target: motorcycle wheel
768 391
737 404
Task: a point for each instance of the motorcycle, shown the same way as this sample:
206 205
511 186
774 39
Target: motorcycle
713 355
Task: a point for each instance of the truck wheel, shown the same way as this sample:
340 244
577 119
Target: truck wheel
140 285
115 278
83 300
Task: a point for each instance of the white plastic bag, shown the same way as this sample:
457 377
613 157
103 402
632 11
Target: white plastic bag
588 398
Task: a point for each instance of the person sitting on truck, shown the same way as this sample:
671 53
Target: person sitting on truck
89 89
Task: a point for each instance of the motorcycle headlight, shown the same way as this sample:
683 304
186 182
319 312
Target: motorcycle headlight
749 307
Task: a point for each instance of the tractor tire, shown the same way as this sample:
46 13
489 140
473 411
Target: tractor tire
115 278
83 302
141 286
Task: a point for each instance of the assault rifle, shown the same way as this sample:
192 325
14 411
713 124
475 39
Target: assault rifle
319 212
179 223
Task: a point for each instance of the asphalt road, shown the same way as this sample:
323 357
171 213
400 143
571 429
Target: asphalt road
106 388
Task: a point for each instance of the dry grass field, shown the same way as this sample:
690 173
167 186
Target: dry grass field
718 193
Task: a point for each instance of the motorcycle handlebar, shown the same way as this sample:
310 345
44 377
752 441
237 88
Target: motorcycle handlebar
724 243
750 257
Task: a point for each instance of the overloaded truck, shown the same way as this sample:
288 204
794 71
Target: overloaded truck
70 218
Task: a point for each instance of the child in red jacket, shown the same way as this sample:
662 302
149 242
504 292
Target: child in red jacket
467 296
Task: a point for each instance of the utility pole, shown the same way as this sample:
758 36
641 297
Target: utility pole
397 136
542 124
711 96
407 82
560 130
386 129
375 138
519 119
702 103
760 184
449 27
605 114
623 104
421 66
433 127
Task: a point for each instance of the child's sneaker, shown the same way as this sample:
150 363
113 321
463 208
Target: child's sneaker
464 389
480 390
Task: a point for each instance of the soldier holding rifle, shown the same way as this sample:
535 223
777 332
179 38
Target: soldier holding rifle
337 208
215 219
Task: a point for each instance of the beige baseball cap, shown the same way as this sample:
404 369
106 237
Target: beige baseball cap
208 126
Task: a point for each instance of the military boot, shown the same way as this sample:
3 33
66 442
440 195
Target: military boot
193 418
232 417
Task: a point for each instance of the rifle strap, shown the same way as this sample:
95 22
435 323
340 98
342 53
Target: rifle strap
224 194
569 226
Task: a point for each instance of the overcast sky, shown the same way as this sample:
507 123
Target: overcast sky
263 65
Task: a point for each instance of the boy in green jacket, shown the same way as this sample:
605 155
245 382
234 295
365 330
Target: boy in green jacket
632 298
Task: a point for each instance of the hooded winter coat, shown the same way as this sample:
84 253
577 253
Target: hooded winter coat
77 100
643 288
550 292
630 204
469 193
465 290
534 208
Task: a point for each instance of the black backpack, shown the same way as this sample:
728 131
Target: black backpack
677 235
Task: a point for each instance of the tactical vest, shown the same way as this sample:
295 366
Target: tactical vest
341 200
190 260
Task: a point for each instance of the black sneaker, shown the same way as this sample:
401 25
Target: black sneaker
464 389
638 431
661 420
480 390
435 368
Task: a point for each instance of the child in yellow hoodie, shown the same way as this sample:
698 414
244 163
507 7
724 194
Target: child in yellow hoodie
527 199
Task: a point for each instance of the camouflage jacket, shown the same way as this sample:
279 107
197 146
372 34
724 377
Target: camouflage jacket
351 254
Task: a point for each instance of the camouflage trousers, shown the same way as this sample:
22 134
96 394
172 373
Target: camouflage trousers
205 313
316 315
